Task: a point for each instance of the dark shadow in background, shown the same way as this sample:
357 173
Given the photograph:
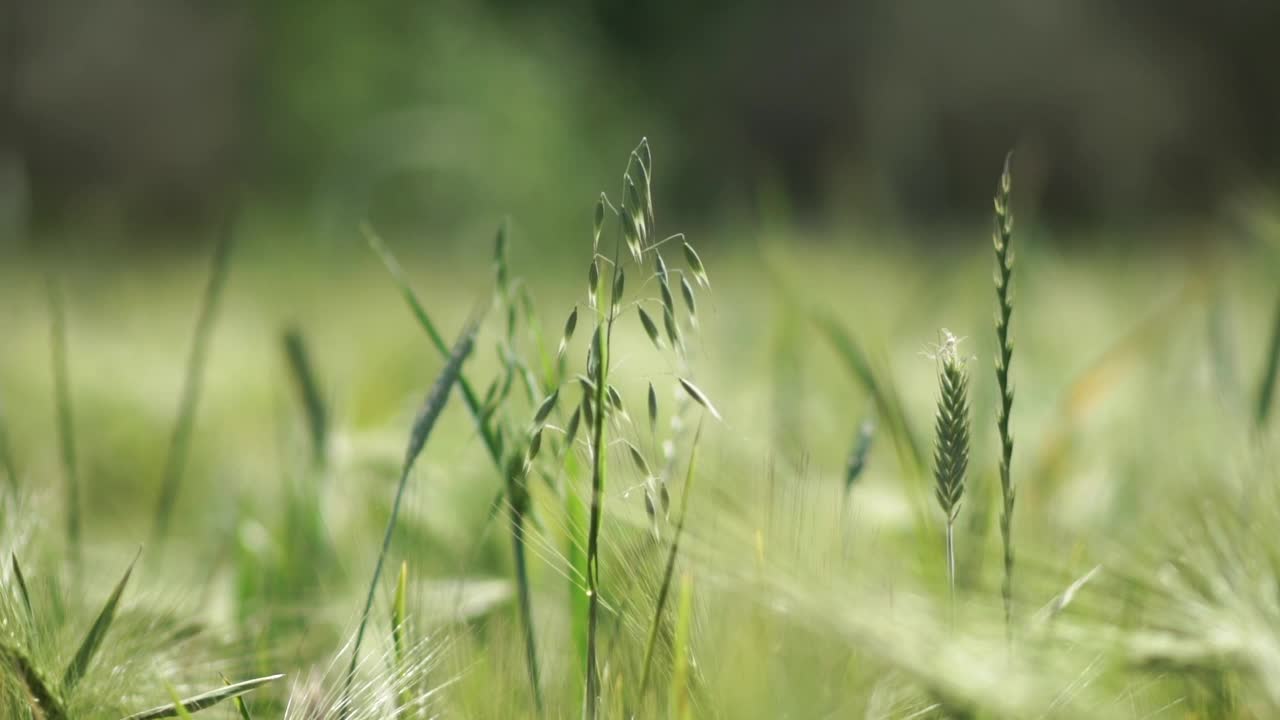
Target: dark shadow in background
161 111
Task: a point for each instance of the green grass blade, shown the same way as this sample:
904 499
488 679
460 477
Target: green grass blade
180 440
1268 387
663 591
22 586
6 455
66 424
424 320
399 641
241 708
196 703
304 379
887 404
680 670
93 640
40 690
432 406
576 512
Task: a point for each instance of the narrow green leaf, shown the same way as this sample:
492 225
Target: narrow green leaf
41 691
196 703
304 378
93 640
22 586
241 708
1272 368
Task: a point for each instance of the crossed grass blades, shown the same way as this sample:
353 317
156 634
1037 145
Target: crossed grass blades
40 694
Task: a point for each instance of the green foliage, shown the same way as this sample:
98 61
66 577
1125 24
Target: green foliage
554 574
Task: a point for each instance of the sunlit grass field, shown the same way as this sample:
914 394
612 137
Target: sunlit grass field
810 579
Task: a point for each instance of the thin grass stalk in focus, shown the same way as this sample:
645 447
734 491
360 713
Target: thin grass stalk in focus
1004 312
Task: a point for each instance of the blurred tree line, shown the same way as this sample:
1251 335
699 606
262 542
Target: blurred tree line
168 109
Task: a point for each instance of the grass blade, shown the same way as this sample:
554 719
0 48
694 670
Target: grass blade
93 640
304 378
680 669
6 455
66 424
208 699
1267 389
886 402
432 406
663 591
424 320
180 441
241 708
41 692
22 586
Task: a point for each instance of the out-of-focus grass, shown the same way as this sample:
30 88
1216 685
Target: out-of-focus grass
803 604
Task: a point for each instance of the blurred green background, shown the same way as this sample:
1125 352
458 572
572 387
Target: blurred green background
151 119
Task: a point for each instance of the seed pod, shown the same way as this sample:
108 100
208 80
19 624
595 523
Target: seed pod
545 408
571 432
593 282
569 326
638 458
615 399
664 497
619 282
535 444
500 257
650 329
599 222
699 397
631 234
695 266
587 413
687 291
653 409
673 330
649 510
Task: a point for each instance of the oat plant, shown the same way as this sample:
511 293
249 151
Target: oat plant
602 406
1001 236
951 448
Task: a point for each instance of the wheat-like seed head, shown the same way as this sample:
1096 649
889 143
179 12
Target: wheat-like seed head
951 451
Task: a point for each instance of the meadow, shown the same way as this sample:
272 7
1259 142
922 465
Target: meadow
804 474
